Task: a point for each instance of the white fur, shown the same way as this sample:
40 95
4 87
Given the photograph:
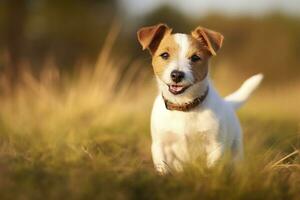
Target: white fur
210 129
182 63
238 98
183 42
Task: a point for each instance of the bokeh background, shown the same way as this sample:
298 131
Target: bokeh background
76 92
260 36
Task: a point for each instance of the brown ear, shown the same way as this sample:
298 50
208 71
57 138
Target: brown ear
212 39
150 36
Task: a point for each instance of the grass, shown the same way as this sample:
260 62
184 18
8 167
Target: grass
88 138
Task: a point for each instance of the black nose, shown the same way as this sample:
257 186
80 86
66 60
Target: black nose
177 76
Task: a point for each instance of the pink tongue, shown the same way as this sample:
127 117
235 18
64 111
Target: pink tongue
176 88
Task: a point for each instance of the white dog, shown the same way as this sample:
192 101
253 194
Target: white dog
189 119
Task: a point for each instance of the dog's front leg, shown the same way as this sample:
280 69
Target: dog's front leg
214 152
158 157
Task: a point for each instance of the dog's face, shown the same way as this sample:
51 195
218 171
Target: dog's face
180 61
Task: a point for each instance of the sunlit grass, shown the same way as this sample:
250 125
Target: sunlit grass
88 138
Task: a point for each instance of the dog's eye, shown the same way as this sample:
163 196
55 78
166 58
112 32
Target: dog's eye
165 55
195 58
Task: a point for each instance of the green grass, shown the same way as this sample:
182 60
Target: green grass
75 152
113 162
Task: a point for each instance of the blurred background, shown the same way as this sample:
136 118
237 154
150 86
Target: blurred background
260 36
76 92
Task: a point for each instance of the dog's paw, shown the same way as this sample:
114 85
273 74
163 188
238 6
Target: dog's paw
161 170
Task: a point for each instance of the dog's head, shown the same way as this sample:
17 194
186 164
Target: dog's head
180 61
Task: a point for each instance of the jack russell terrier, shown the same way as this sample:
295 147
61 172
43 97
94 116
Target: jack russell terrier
189 119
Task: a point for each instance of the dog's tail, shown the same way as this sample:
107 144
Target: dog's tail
239 97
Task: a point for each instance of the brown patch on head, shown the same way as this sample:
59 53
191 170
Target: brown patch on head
167 45
203 43
170 46
199 68
209 38
151 36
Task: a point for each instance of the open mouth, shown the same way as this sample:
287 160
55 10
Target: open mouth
177 89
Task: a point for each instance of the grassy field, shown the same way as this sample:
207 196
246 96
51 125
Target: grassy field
88 138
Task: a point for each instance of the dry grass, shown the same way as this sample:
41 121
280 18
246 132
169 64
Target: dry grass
88 138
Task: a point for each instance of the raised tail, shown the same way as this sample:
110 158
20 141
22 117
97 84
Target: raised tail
239 97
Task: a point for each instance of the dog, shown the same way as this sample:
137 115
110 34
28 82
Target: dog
189 119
